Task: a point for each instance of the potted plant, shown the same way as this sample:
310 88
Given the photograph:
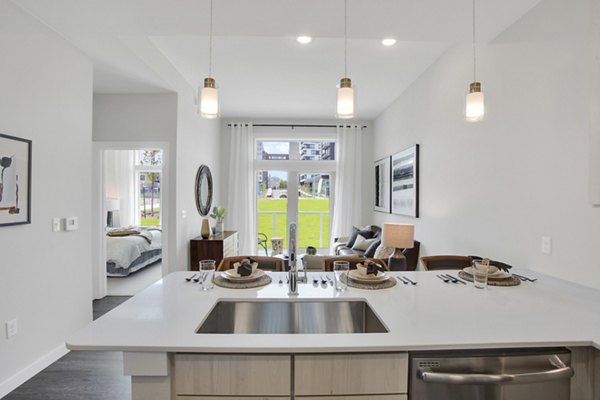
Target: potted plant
218 214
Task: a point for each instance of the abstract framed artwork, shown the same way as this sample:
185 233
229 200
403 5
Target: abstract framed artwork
382 185
15 180
405 182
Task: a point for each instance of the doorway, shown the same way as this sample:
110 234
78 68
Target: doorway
130 234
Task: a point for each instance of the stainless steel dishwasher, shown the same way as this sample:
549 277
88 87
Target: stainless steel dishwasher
507 374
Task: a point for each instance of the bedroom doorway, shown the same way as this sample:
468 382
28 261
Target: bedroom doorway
131 198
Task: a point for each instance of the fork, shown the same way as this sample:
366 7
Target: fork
410 280
524 278
323 281
190 278
198 278
446 280
401 279
329 279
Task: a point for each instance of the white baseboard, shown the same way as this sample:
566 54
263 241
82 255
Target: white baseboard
31 370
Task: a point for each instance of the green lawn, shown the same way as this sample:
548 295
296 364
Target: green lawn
275 225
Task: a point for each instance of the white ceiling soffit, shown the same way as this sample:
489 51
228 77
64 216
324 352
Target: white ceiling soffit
260 69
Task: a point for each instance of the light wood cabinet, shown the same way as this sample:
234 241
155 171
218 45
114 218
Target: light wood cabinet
371 397
232 375
350 374
355 376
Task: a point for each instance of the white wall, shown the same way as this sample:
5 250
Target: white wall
197 143
495 188
45 277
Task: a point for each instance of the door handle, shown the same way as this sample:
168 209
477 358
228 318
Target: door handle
560 371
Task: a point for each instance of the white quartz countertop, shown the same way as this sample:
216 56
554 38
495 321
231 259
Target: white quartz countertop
431 315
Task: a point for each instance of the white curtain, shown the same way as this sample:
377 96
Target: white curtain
347 206
119 183
241 194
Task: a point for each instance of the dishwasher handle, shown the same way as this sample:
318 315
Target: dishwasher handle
561 371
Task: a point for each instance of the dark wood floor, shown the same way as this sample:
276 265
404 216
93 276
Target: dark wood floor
81 375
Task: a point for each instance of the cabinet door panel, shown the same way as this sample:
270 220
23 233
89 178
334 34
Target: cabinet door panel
232 375
373 397
348 374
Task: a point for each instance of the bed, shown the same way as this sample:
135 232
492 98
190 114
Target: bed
129 250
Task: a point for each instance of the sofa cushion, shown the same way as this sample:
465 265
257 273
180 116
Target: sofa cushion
370 252
362 243
366 233
383 252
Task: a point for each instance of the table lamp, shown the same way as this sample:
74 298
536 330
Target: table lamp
112 208
398 236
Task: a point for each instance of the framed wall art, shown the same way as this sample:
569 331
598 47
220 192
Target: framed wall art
382 185
15 180
405 182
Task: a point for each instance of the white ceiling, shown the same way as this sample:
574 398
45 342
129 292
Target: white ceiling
261 71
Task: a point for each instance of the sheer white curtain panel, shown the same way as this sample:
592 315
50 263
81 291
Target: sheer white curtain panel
347 206
241 194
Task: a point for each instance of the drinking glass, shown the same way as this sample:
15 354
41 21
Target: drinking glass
339 267
208 267
480 273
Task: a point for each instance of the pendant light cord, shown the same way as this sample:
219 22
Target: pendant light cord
210 41
474 52
345 38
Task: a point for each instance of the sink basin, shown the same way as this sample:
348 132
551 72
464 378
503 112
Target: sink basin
300 317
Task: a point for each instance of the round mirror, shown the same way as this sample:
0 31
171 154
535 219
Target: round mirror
204 190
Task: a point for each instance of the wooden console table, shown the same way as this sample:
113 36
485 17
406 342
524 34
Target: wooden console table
214 248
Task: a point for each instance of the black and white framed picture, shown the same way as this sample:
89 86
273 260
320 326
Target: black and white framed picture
15 180
405 182
382 185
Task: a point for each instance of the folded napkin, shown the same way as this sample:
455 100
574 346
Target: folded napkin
497 264
245 267
372 267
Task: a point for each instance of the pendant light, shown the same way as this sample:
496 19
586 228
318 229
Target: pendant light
475 102
345 96
209 96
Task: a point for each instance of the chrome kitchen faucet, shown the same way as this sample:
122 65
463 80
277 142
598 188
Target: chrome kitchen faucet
293 281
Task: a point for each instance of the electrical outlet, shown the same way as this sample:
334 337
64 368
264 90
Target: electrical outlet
71 223
183 214
11 328
546 245
55 224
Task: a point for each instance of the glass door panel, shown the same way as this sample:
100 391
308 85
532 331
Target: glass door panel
149 198
313 210
272 206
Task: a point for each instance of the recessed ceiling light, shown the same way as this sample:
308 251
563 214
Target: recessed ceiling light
304 39
388 42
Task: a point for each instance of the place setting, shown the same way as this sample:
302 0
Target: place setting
483 273
244 275
367 275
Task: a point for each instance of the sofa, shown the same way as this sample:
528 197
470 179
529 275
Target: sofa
369 246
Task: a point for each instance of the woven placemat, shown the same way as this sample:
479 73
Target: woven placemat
512 281
226 283
388 283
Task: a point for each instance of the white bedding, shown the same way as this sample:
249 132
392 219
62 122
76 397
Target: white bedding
123 250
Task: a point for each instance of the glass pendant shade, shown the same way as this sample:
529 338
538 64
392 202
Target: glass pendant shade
475 110
345 99
209 100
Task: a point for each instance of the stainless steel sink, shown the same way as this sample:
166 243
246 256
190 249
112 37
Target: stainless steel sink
299 317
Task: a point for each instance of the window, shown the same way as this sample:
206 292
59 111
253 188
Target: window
293 179
148 172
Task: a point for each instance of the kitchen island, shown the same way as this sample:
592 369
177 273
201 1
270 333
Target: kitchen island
160 322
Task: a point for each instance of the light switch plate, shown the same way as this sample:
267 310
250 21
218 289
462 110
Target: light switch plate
546 245
11 328
71 223
56 224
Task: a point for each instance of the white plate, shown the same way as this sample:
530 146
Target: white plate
497 274
357 276
230 275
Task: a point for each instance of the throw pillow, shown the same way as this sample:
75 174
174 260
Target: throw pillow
370 252
366 233
362 243
384 252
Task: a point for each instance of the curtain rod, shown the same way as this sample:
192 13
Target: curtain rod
294 125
